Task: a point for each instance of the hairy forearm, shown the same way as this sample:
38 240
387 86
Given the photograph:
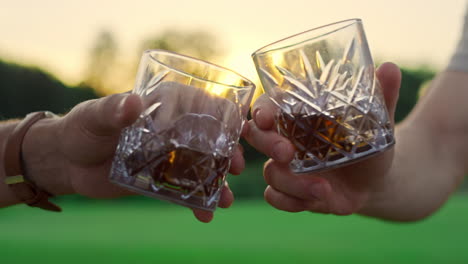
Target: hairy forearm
430 156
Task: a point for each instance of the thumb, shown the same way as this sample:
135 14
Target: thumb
108 115
389 76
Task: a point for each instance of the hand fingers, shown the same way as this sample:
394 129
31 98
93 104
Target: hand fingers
318 194
227 197
237 161
202 215
245 128
390 79
289 203
95 126
270 143
108 115
261 134
301 186
225 201
283 201
263 112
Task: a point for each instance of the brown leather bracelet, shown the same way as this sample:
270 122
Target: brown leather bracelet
24 189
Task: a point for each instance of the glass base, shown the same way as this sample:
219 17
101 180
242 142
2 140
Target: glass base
181 164
313 164
168 195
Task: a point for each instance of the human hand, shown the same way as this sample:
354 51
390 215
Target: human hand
340 191
74 153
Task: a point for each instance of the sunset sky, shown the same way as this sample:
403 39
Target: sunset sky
57 34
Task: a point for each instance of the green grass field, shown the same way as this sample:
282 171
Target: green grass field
249 232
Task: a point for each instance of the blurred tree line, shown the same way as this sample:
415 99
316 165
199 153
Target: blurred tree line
108 73
27 89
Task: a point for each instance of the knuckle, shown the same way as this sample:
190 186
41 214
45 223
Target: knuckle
268 195
268 171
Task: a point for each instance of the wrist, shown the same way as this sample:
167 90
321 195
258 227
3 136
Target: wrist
8 197
42 160
380 201
383 194
419 180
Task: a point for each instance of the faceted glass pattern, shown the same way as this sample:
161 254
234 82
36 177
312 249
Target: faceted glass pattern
330 104
180 147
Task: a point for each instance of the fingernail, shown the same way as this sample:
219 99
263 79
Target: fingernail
121 106
245 129
278 149
241 148
316 190
255 113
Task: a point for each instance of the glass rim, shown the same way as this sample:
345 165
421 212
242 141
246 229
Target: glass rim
150 53
269 47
